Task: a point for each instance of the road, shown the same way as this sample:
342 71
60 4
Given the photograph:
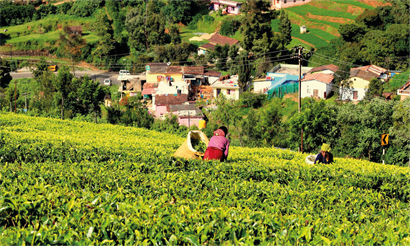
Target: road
95 75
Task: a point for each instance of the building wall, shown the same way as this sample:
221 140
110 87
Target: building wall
189 122
359 85
159 110
260 85
224 91
231 9
308 88
201 51
278 4
152 77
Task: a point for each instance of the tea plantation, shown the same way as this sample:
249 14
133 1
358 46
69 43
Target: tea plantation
65 182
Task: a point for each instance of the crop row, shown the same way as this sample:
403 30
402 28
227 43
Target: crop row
64 182
305 9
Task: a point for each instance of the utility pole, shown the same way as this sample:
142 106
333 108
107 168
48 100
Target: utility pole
15 97
25 100
299 55
11 50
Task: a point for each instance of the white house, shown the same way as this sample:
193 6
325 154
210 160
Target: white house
317 85
404 91
279 4
228 86
360 78
228 7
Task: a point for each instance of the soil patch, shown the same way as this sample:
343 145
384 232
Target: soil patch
374 3
355 10
329 18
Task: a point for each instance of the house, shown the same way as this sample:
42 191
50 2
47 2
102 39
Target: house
149 89
327 69
214 40
107 100
76 30
154 71
317 85
228 7
211 76
162 102
404 91
188 114
280 4
131 84
228 86
360 78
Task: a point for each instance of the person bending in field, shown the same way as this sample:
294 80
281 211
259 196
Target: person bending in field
218 146
324 155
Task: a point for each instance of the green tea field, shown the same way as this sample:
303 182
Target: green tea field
78 183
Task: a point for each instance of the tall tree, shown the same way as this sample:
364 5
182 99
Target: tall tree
5 70
375 88
62 84
285 28
91 94
72 44
244 70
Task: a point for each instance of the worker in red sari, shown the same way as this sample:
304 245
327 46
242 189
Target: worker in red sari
218 146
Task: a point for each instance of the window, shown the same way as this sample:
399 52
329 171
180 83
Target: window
308 90
294 1
284 1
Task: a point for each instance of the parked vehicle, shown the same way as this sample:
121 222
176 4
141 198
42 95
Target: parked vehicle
124 72
107 82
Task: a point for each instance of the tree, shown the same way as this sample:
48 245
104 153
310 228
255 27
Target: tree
351 32
375 88
144 32
5 70
12 94
71 44
179 11
399 147
227 114
91 94
174 33
285 28
370 19
62 84
342 82
244 70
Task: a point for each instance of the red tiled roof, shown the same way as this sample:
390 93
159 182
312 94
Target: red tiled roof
148 91
194 70
322 77
171 99
212 73
208 46
366 75
330 67
175 69
150 85
406 86
371 68
222 40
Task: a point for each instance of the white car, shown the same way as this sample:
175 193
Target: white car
107 82
124 72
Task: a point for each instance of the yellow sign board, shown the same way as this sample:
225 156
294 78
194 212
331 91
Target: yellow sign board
385 139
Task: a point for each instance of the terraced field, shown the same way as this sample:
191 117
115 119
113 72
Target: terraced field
65 182
323 18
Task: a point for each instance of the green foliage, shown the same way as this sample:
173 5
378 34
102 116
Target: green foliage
85 8
375 89
229 27
16 14
305 9
5 70
285 28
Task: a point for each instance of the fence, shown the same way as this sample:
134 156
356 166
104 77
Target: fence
285 88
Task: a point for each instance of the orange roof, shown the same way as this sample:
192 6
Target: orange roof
322 77
372 69
330 67
222 40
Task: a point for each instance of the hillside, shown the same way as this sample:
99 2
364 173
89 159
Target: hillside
66 182
322 19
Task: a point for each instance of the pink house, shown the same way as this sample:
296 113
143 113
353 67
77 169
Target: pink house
162 102
279 4
228 7
188 114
